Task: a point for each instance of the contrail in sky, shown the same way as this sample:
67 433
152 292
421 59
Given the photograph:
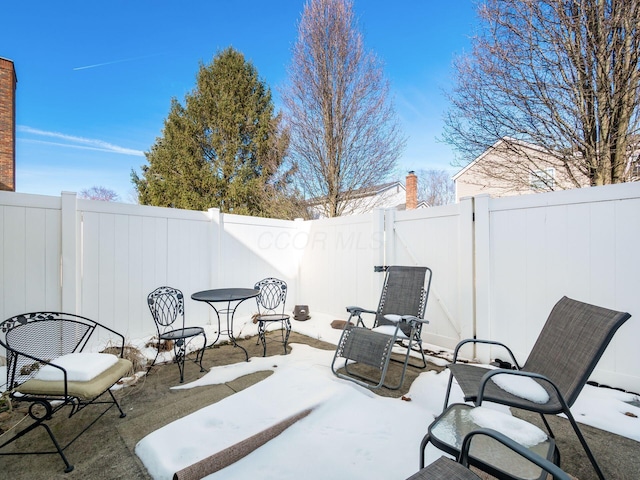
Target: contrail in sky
86 142
114 62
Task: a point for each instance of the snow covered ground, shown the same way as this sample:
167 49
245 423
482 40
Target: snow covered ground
350 432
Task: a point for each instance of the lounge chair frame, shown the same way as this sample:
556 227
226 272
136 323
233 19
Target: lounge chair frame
404 296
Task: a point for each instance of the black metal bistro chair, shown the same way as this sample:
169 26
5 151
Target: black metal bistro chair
271 304
49 366
167 305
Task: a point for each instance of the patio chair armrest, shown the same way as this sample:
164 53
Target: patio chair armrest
554 470
412 319
503 371
485 342
355 311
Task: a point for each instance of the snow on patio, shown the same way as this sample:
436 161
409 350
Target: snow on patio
350 432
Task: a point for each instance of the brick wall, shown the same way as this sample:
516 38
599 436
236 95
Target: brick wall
7 125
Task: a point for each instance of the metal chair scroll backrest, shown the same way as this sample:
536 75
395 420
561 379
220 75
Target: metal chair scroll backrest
397 322
271 304
565 354
167 307
48 368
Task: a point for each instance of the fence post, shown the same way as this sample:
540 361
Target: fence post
215 219
70 253
389 237
482 273
466 290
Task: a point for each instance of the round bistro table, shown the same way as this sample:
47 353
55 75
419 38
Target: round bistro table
232 297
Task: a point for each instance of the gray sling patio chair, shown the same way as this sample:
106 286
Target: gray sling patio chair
167 305
48 368
566 352
397 322
445 468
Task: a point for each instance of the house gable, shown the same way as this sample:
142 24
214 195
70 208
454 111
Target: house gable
512 167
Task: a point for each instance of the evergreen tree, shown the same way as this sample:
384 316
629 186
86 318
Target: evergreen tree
224 148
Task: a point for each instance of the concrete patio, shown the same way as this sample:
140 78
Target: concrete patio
106 451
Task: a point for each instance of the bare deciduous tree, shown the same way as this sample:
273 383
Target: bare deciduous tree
560 75
436 187
99 193
344 132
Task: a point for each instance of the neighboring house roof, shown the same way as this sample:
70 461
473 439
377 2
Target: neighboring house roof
377 189
363 192
492 148
514 167
389 195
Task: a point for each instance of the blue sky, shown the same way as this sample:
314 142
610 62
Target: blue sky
95 79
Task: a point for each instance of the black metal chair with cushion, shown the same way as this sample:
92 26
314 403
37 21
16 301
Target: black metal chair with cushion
167 305
271 303
445 468
397 322
565 354
48 367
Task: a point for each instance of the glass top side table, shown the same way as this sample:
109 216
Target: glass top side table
448 431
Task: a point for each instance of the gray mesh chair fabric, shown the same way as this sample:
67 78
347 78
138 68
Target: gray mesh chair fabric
36 373
397 321
567 350
446 469
167 306
271 303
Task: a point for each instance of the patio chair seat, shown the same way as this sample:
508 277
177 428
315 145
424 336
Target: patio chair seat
182 333
469 377
84 390
444 468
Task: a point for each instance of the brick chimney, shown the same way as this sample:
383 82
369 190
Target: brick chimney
412 191
8 83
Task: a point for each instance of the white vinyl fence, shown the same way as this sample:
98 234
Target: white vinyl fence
498 265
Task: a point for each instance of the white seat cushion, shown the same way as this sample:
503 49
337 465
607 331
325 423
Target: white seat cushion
80 367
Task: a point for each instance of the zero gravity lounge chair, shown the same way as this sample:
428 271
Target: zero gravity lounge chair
565 354
48 368
397 322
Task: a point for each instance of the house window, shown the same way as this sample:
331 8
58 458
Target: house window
542 179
